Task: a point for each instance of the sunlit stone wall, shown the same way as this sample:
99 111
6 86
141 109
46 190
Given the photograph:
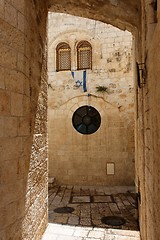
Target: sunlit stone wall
83 159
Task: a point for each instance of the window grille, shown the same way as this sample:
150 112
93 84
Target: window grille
86 120
84 55
63 57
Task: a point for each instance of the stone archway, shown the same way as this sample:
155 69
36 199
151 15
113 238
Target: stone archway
110 11
23 45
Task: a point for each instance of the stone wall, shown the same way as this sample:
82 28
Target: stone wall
148 124
23 116
82 159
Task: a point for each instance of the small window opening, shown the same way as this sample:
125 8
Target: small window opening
63 57
84 55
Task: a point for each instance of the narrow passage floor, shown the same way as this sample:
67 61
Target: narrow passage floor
81 213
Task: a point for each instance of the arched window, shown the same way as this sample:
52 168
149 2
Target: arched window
84 55
63 57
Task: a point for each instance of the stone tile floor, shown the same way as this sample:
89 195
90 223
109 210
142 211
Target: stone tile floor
90 205
64 232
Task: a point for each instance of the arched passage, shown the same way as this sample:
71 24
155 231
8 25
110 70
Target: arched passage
122 14
23 34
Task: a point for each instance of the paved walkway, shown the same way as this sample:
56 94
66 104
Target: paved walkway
90 205
64 232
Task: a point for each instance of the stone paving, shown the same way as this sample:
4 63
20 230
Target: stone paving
64 232
90 205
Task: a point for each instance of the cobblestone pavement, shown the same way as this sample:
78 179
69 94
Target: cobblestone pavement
90 206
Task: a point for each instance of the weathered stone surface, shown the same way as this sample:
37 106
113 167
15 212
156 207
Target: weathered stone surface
85 157
89 213
5 103
23 188
113 12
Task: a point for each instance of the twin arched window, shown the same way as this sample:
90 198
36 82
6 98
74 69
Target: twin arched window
63 56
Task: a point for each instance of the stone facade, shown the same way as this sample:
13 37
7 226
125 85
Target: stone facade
83 159
23 110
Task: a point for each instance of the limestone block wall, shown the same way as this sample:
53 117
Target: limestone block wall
148 124
23 116
82 159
